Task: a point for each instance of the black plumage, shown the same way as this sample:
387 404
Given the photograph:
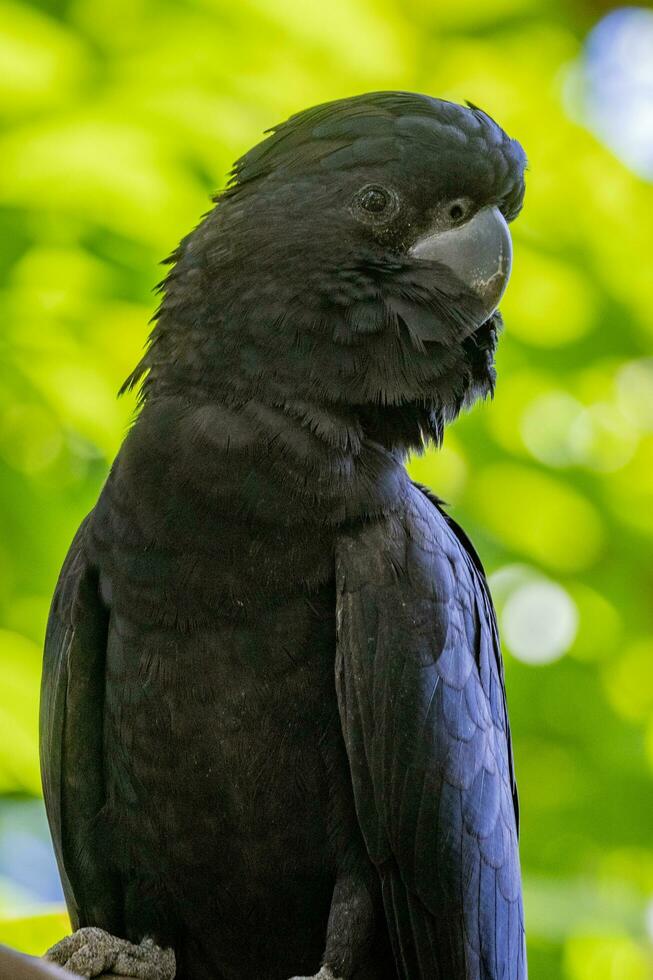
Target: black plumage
274 731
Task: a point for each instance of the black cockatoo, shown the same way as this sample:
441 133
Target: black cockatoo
274 729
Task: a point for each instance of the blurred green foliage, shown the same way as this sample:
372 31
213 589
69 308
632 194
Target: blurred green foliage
116 122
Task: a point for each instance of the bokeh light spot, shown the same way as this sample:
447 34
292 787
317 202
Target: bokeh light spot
539 622
601 438
515 393
648 920
635 393
617 71
546 425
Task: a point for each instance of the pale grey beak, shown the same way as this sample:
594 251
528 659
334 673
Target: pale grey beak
479 252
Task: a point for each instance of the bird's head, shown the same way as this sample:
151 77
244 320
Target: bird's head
356 260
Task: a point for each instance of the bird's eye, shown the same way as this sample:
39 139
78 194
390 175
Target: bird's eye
374 199
457 211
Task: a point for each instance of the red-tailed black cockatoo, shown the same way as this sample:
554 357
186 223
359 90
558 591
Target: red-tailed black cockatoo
274 730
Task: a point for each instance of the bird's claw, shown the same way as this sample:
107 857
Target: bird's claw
90 952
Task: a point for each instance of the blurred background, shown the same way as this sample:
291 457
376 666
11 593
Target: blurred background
117 120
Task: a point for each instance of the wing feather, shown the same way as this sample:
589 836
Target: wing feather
423 711
71 737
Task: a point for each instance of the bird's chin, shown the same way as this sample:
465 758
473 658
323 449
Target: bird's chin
479 349
404 427
410 424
